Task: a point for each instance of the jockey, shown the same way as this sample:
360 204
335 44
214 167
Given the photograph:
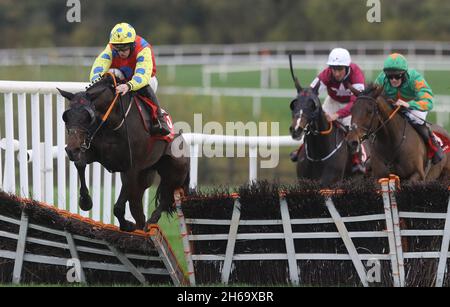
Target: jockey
133 56
338 78
407 88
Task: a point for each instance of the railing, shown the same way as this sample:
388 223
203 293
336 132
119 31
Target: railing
75 55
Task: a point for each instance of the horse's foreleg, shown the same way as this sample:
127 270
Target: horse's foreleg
119 210
85 201
136 206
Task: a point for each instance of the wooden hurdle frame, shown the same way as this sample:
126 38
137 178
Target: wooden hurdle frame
165 263
393 233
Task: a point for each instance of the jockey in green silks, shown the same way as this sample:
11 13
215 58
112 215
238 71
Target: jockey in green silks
408 88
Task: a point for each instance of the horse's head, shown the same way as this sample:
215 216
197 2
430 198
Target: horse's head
305 110
82 116
365 116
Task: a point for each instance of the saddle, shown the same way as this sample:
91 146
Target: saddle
148 114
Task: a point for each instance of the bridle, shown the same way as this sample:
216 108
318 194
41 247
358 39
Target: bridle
311 119
92 130
372 131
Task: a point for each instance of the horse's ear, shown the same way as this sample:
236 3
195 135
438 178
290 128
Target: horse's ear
67 95
95 92
378 91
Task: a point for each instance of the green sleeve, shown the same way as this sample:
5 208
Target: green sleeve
423 94
380 79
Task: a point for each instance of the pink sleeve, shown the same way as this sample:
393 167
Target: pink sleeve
347 110
358 75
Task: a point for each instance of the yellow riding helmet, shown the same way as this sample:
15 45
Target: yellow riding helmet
122 33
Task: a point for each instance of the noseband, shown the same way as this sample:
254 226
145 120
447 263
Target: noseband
311 118
92 130
372 131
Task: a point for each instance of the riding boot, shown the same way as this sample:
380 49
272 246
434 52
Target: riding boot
429 139
161 127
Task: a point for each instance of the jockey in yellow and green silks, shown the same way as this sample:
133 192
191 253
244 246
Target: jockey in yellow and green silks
131 58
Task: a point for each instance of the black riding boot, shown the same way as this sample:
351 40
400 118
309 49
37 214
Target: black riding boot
162 127
426 134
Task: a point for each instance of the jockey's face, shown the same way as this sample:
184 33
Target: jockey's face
338 72
124 54
395 78
123 51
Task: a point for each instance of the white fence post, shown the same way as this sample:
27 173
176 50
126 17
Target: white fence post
48 152
61 141
36 145
253 163
23 145
10 170
194 149
73 187
96 191
256 106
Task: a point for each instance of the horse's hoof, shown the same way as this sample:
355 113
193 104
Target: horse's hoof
127 226
85 203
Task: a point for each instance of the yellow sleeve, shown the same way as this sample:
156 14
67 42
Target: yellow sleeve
143 71
101 64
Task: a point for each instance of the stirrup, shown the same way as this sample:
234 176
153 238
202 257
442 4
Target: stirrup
162 128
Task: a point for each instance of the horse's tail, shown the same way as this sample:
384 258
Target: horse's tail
165 195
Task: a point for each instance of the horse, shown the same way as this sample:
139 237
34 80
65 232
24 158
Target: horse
100 129
325 156
396 147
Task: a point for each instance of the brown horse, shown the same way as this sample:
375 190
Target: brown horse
121 144
396 147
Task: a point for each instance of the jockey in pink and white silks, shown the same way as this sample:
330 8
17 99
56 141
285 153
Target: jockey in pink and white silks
336 79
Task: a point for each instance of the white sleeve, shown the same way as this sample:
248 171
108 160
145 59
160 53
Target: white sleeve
359 86
322 87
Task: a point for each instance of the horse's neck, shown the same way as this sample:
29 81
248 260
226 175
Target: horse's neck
322 142
392 132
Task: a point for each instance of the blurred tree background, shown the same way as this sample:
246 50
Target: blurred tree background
43 23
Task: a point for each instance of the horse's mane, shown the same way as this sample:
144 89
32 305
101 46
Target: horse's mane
105 80
373 90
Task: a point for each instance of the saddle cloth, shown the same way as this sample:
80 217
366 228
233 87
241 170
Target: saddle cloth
151 119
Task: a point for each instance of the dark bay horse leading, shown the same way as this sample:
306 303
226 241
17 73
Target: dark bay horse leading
121 144
325 156
396 146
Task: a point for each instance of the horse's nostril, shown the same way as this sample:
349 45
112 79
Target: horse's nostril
354 144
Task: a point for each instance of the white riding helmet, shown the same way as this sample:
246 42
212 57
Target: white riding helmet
339 57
